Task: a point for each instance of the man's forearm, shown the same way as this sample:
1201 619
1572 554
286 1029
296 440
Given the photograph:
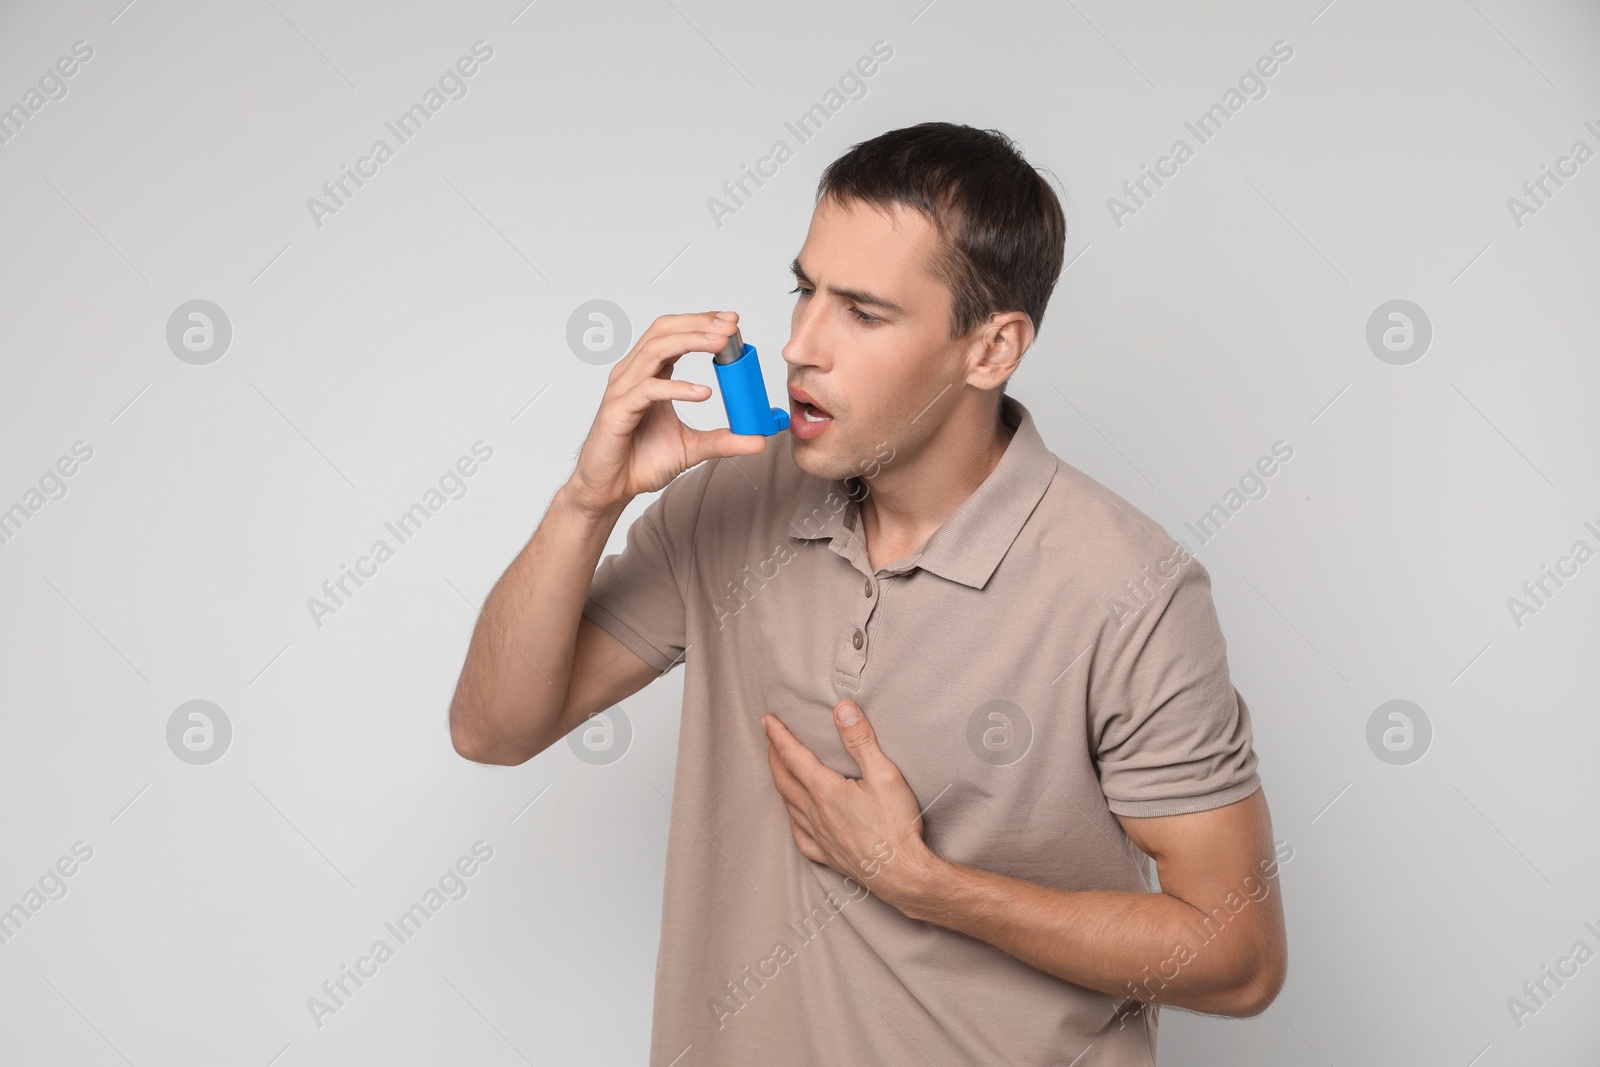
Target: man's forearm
1152 946
518 666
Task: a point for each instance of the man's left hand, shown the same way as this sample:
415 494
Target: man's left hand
867 828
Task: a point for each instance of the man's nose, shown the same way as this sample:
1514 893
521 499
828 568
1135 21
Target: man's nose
802 346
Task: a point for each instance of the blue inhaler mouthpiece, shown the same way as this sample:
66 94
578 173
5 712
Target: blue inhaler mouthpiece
744 394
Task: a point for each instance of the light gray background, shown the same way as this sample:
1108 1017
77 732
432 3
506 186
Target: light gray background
369 353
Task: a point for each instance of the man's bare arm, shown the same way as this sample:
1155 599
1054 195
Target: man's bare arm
1212 940
535 667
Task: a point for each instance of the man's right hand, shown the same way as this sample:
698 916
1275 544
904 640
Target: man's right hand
637 443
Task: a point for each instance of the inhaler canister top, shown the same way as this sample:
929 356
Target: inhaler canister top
733 350
743 394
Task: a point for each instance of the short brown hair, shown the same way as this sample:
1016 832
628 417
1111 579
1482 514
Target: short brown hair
1000 222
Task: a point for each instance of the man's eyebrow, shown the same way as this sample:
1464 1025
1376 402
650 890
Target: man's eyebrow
860 296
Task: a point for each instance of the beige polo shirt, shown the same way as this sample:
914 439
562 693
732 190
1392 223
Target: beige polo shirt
1048 657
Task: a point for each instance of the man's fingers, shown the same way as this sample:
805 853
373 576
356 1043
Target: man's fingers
668 338
799 760
798 820
650 390
653 357
807 844
790 788
690 320
705 444
861 742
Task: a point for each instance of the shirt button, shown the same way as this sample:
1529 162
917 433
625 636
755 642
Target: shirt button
857 639
868 589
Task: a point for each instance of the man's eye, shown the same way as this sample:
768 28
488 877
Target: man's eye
860 315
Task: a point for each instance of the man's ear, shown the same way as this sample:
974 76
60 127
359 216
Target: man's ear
1002 343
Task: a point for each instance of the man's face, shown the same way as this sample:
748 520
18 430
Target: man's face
872 375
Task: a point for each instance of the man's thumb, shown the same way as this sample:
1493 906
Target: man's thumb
725 443
856 733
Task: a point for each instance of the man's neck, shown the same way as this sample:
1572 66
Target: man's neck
905 506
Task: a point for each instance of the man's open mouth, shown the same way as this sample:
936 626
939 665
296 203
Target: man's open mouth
812 413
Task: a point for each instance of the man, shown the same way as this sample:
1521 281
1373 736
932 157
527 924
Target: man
945 695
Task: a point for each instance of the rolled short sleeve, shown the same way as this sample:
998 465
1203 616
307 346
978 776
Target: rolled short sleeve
1169 732
638 595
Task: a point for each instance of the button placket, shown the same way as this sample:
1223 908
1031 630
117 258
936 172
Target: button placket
858 636
853 650
858 639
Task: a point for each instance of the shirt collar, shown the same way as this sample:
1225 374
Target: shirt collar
975 538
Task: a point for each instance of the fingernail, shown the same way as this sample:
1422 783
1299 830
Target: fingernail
849 714
724 316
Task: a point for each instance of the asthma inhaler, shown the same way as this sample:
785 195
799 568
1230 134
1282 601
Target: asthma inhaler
744 394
